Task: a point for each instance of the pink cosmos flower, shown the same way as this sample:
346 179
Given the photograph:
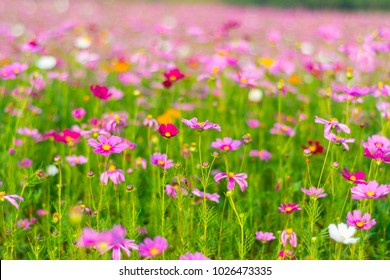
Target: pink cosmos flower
288 236
332 124
265 236
11 198
195 256
200 126
356 178
115 175
150 122
101 92
79 113
252 123
168 130
289 208
356 91
281 129
104 241
114 122
232 179
75 160
263 154
68 136
378 148
355 219
227 144
369 190
212 197
339 140
25 163
173 190
286 255
24 224
151 248
107 146
161 160
314 192
140 162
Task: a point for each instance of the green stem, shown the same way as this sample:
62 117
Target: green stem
323 165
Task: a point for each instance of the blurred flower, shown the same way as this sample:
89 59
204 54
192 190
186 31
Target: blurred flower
233 178
25 163
75 160
11 198
289 208
227 144
339 140
265 236
212 197
195 256
115 175
263 154
281 129
314 192
172 76
52 170
161 160
46 62
79 113
150 122
151 248
314 147
200 126
356 178
332 124
288 236
173 190
101 92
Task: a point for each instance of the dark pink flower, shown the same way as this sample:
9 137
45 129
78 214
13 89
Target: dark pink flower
172 76
168 130
289 208
101 92
355 219
356 178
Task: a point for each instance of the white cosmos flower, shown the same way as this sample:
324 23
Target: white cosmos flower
52 170
46 62
342 233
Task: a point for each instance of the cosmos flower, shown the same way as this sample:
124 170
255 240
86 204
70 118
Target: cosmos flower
79 113
195 256
233 178
173 190
332 124
68 136
161 160
11 198
314 192
355 219
172 76
212 197
342 233
25 163
104 241
289 208
227 144
286 255
200 126
356 178
315 147
265 236
356 91
377 148
339 140
369 190
115 175
151 248
263 154
168 130
288 236
150 122
107 146
75 160
140 162
281 129
101 92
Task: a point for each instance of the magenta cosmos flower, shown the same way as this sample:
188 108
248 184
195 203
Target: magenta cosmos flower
378 148
369 190
101 92
226 144
79 113
172 76
151 248
115 175
355 219
105 147
314 192
232 179
161 160
168 130
11 198
265 236
201 126
289 208
104 241
356 178
288 236
332 124
195 256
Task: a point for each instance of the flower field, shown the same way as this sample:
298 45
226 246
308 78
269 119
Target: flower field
183 131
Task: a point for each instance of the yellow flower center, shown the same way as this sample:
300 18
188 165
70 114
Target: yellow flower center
215 70
149 117
370 193
353 178
289 231
112 168
360 224
379 145
160 162
106 147
243 80
116 117
167 134
202 124
173 78
103 246
231 174
288 209
154 251
226 148
333 119
2 194
68 139
313 148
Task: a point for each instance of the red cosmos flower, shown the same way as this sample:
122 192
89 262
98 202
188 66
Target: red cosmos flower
314 147
172 76
168 130
101 92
